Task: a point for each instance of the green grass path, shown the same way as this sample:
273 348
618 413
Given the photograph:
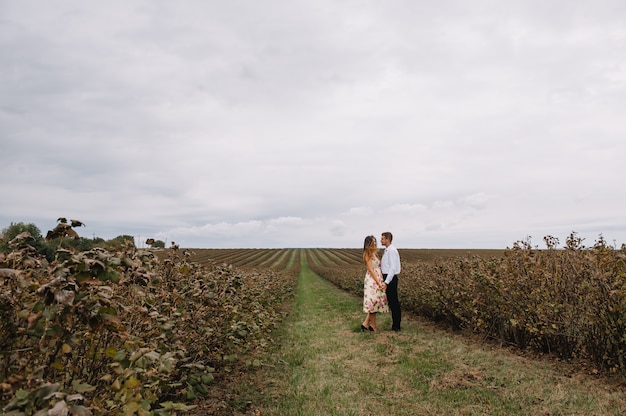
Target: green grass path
326 366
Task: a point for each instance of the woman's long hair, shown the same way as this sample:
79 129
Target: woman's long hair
369 248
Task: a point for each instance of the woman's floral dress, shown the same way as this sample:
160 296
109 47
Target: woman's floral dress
374 297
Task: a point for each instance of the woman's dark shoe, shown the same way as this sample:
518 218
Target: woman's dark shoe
372 329
363 328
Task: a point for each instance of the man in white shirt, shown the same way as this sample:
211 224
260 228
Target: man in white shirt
390 265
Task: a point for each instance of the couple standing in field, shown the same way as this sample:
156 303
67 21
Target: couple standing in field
380 292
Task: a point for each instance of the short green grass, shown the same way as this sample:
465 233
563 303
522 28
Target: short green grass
324 365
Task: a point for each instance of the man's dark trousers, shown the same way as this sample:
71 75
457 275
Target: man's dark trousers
394 302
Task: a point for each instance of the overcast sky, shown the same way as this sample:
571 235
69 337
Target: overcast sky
452 124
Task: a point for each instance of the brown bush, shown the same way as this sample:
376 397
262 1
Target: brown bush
570 302
122 332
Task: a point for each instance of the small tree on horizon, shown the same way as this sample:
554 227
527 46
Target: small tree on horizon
14 229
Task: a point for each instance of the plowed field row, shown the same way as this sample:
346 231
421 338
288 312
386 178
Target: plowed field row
325 257
242 257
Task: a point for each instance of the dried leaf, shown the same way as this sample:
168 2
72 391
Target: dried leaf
59 409
81 388
9 273
65 297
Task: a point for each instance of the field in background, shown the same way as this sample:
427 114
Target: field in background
320 358
564 302
123 330
274 258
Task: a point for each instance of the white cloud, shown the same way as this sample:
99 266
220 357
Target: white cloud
360 211
315 124
407 208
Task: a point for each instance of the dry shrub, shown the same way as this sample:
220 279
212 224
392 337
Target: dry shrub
125 333
570 302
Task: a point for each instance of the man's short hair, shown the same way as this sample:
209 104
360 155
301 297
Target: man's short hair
388 235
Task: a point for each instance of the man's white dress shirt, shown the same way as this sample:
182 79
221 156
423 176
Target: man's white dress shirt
390 263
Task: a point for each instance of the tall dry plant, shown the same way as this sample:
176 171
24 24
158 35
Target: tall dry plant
101 332
569 302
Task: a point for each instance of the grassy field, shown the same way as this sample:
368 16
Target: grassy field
324 365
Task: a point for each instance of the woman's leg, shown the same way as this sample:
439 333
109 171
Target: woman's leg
372 321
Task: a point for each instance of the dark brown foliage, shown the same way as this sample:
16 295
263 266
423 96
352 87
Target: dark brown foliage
125 332
568 302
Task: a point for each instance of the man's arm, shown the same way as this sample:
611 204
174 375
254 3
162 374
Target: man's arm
395 262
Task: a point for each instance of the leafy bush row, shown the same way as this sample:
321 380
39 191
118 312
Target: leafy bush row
101 332
570 302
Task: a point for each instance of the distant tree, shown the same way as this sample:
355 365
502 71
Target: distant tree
82 244
14 229
155 243
121 241
62 235
10 232
98 242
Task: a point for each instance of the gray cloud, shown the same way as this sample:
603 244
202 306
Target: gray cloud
274 124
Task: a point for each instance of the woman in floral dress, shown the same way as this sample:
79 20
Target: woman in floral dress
374 297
